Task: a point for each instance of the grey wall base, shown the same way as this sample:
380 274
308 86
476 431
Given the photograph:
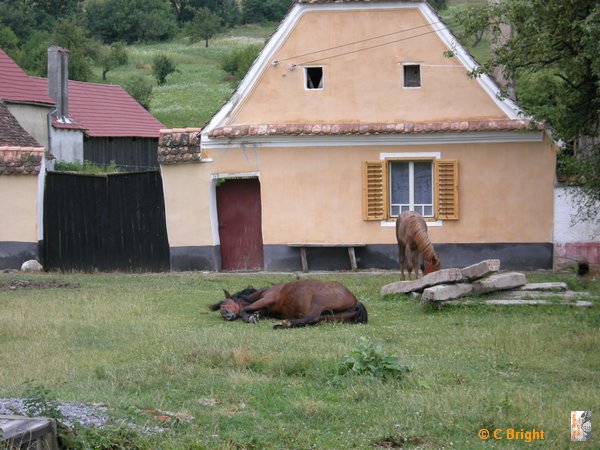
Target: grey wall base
14 254
281 258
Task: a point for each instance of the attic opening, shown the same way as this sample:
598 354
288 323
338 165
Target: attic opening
313 77
412 75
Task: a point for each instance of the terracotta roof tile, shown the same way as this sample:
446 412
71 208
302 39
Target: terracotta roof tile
20 160
16 85
12 133
179 145
372 128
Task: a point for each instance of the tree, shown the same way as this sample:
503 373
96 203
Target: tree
130 20
8 39
163 66
239 61
112 56
204 26
553 54
140 88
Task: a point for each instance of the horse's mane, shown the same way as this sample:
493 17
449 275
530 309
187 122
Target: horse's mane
241 296
422 240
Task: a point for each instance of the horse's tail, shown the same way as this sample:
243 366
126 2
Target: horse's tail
360 314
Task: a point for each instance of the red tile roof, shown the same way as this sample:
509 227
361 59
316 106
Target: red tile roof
102 110
333 129
12 133
16 85
106 110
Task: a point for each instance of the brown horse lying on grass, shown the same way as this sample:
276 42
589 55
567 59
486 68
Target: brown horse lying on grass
413 242
297 303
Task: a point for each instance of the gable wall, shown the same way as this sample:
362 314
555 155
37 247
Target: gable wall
365 86
33 118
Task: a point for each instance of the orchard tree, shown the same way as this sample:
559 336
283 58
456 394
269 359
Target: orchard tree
162 67
111 56
206 24
554 55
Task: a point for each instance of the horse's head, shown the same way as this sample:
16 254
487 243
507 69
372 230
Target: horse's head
432 264
232 305
230 309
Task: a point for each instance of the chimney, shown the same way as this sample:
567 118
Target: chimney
58 76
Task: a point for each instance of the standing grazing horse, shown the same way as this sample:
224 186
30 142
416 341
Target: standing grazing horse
413 241
297 303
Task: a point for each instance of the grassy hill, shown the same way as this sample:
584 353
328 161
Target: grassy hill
200 87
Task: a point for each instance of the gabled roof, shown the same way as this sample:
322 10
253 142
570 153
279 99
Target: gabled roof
101 110
106 110
20 153
220 125
12 133
16 85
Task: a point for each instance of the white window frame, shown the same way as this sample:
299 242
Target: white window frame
306 78
412 206
408 156
404 86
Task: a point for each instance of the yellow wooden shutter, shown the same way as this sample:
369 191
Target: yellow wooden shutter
447 189
374 191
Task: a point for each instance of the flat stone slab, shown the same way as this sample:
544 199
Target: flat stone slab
432 279
500 302
541 295
481 269
553 286
443 292
499 282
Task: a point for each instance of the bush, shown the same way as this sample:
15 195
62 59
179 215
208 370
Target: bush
86 167
162 66
140 88
239 61
370 359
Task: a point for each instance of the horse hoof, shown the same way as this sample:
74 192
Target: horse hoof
253 318
282 324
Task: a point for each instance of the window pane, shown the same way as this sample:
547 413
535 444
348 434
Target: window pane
412 75
399 183
423 183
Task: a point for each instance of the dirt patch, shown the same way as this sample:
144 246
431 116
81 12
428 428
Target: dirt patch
27 284
403 442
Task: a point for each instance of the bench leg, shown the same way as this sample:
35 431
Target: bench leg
304 259
352 258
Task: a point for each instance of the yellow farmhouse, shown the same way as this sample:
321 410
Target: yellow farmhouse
353 112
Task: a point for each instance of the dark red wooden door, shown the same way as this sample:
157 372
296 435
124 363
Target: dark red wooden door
240 224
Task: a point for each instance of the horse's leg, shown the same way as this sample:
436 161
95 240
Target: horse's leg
251 313
401 257
415 262
311 318
409 263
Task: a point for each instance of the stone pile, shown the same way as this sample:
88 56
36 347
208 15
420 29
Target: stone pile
447 285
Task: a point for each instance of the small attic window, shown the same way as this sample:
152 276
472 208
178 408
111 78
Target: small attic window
314 77
412 75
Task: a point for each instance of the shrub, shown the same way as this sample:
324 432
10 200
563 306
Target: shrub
239 61
367 358
162 66
140 88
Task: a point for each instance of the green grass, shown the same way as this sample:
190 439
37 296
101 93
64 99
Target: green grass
140 342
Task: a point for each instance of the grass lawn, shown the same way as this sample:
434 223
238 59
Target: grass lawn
139 342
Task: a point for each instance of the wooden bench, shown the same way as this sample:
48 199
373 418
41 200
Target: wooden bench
304 245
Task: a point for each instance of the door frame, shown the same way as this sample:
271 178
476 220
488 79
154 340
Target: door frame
215 179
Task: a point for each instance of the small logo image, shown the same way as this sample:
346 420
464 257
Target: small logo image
581 425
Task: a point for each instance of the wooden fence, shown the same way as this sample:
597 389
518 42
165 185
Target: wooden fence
113 222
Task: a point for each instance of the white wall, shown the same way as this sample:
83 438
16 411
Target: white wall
67 145
567 226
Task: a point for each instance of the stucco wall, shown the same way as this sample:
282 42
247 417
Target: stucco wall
315 194
34 119
367 81
18 221
67 145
